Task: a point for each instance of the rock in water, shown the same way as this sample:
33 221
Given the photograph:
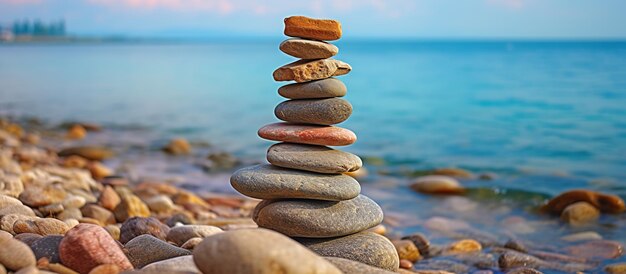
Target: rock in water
91 153
308 134
146 249
317 29
86 246
437 184
354 267
319 159
314 111
257 251
325 88
365 247
308 49
318 219
270 182
580 213
309 70
604 202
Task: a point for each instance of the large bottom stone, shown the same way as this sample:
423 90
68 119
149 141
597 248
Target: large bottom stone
354 267
318 219
365 247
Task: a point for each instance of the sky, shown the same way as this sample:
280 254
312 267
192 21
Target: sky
447 19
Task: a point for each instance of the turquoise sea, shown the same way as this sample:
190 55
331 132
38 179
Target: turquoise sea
542 117
509 107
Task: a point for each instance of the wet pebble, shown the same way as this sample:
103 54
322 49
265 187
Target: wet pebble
618 268
580 213
407 250
420 241
597 249
437 184
178 146
463 246
605 202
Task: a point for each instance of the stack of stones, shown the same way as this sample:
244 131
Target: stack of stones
305 193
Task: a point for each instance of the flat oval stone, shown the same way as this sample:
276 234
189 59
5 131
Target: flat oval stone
257 251
319 159
318 29
271 182
309 70
365 247
328 111
308 134
308 49
325 88
318 219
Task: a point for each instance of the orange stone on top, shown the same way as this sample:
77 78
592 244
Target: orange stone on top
317 29
308 134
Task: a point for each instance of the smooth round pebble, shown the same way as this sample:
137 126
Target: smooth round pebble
15 255
308 49
271 182
580 213
320 159
325 88
365 247
318 219
257 251
182 264
308 134
146 249
180 234
327 112
41 226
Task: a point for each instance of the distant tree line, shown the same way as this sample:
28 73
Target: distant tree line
38 28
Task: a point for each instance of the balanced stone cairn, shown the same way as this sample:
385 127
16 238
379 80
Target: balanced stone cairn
305 193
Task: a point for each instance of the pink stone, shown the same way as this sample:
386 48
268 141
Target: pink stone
308 134
86 246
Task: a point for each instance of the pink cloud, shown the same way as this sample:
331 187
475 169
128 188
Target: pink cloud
20 2
511 4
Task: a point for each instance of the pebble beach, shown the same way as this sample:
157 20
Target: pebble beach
81 197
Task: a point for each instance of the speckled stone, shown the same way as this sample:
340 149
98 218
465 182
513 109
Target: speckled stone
320 159
257 251
146 249
47 247
365 247
318 219
354 267
136 226
309 70
308 134
86 246
328 111
271 182
308 49
325 88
